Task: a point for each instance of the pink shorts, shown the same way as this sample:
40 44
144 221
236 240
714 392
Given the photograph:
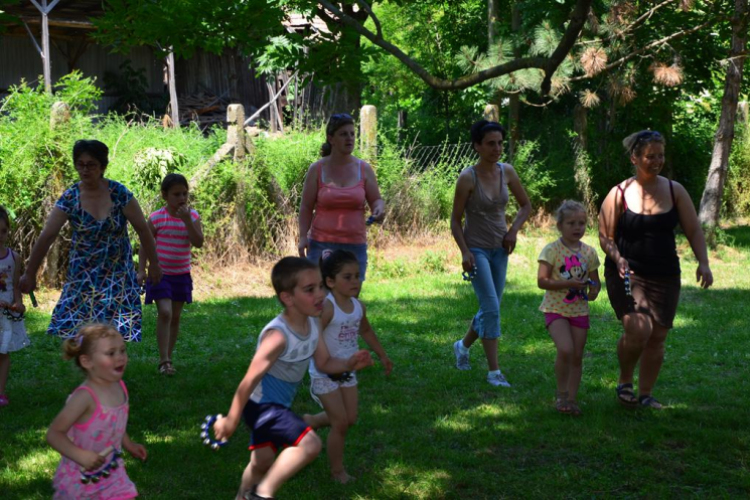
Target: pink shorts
575 321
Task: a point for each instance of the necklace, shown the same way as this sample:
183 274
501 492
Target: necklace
574 250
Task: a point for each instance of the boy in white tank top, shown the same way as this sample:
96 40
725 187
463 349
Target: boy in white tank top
285 347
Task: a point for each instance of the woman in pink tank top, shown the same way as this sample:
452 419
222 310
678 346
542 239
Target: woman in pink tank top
336 190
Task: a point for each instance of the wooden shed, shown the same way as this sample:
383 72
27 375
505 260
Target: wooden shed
62 29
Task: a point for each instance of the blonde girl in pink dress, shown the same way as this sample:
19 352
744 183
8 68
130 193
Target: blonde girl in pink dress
90 431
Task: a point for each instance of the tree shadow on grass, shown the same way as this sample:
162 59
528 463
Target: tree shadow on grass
429 430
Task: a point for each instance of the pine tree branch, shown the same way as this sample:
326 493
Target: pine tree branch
663 41
375 19
549 65
647 15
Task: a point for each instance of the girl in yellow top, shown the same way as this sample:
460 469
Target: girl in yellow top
568 271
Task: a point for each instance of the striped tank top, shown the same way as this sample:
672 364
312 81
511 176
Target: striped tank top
172 241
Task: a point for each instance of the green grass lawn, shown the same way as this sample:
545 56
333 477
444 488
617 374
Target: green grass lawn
431 431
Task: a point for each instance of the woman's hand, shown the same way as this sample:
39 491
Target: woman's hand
509 242
704 276
18 307
303 246
141 278
27 283
378 212
468 262
623 268
154 272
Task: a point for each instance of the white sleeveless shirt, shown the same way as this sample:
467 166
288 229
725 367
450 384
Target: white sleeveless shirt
341 333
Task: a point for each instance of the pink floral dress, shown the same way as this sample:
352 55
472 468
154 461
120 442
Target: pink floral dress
106 427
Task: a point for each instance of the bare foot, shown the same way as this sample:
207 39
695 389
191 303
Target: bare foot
342 477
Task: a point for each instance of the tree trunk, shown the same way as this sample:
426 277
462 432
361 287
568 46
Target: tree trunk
493 13
514 105
710 208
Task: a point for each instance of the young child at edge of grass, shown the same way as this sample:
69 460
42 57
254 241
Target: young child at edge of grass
176 228
90 431
265 394
568 271
12 331
344 318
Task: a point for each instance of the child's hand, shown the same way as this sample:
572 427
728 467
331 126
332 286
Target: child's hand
141 278
360 359
90 460
4 305
184 214
577 284
223 428
137 450
387 365
154 272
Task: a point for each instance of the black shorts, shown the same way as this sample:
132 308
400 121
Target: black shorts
273 425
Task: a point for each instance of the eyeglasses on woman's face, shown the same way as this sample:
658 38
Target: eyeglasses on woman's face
82 166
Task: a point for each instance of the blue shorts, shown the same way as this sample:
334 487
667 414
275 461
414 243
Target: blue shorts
315 250
273 425
175 287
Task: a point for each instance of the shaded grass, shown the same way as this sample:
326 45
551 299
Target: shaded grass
430 431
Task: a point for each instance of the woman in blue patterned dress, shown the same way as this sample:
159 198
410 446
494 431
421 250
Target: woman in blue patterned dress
101 283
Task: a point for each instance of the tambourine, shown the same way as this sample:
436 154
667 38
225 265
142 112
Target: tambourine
13 316
470 275
206 433
626 279
104 472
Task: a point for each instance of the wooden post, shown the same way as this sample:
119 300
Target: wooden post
368 130
402 117
174 110
236 129
52 270
45 49
60 114
492 112
45 9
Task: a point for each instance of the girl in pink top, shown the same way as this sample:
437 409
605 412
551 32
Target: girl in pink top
336 189
176 228
90 432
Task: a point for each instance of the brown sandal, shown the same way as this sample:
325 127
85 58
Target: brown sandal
166 368
562 404
574 409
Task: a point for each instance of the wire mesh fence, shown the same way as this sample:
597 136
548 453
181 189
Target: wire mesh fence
426 157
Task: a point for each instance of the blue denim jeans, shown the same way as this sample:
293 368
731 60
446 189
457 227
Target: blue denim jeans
489 282
315 250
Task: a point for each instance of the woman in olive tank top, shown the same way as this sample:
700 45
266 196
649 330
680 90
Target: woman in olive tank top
642 269
485 240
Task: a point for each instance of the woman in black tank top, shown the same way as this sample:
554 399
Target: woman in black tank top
642 269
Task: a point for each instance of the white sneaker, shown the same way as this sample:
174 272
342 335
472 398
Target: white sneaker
462 360
497 379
